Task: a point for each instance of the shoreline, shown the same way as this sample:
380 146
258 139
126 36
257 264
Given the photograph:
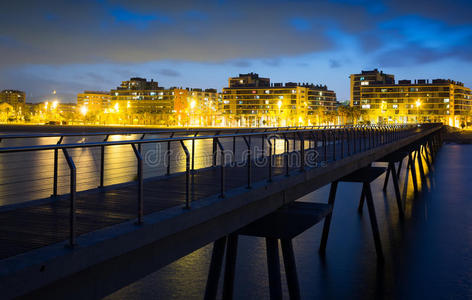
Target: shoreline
6 128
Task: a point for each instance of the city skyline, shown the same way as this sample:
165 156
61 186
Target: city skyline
324 41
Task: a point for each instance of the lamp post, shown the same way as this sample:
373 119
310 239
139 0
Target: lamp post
192 106
418 104
279 105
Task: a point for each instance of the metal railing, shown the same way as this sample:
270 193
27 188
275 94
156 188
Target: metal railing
336 142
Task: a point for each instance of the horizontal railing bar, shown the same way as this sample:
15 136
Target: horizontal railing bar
189 131
158 140
193 130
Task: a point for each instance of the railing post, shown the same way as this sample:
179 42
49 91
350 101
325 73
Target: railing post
270 159
334 144
140 184
56 169
215 149
73 189
168 155
187 175
348 140
223 163
286 154
302 151
139 145
234 151
193 152
248 144
102 162
325 146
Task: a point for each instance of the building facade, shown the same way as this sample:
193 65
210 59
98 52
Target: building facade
438 100
14 98
94 101
143 101
367 78
250 100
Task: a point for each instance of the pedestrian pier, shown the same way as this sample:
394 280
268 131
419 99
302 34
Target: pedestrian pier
81 244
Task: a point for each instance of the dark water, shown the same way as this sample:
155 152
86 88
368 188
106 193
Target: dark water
428 255
28 176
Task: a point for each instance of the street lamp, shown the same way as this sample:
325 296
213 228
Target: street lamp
192 106
279 105
83 110
418 104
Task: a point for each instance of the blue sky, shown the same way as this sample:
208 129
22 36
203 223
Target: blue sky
71 46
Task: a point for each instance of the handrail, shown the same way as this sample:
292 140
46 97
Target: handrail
330 136
186 131
158 140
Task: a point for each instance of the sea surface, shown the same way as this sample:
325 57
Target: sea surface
428 254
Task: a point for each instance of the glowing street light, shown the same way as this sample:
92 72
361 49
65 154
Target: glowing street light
418 104
46 105
83 110
54 104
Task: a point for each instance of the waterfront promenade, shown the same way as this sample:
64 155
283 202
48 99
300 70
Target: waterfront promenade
171 215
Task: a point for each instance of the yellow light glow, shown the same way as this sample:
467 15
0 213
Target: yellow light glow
128 105
279 104
117 107
83 110
193 104
418 103
46 105
54 104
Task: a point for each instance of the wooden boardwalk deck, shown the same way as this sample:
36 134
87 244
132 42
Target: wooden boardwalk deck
36 226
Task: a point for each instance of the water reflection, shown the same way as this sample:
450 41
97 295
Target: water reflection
29 176
428 255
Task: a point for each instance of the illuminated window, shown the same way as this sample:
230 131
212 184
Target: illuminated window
446 100
364 83
267 92
395 106
366 106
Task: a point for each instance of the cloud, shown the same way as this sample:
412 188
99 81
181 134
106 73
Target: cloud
86 31
334 63
241 63
224 35
168 72
300 24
